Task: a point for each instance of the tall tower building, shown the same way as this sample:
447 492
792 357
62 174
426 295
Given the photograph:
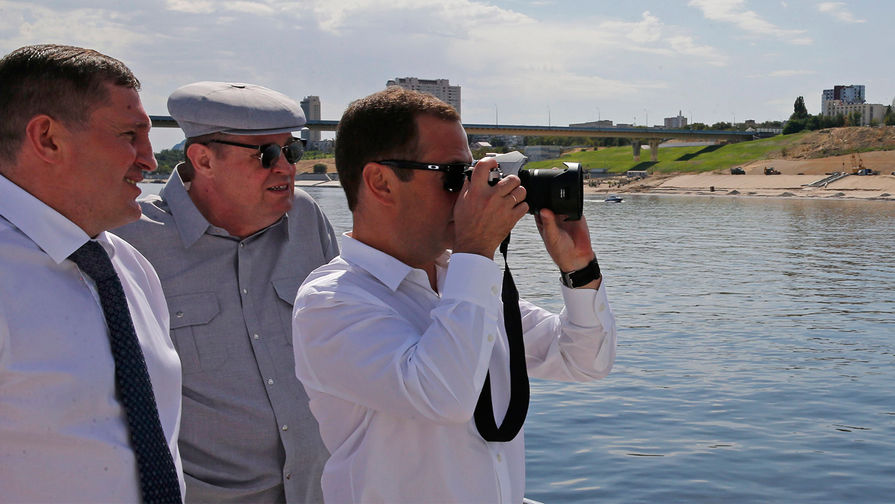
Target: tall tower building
311 107
439 88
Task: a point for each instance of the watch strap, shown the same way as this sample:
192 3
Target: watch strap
583 276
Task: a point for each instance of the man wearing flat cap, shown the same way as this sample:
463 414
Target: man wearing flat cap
232 240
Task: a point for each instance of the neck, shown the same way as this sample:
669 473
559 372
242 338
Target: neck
217 214
391 244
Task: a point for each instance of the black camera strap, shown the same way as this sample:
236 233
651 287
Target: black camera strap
519 389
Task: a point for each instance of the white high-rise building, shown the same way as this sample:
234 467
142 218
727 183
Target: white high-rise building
439 88
311 107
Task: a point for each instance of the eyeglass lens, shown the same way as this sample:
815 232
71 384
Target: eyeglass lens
271 152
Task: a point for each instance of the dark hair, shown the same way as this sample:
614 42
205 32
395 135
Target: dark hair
63 82
382 126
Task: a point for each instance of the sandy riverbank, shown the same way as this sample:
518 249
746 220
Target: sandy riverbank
877 187
792 182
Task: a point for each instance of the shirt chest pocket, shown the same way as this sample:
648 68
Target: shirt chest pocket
286 289
191 316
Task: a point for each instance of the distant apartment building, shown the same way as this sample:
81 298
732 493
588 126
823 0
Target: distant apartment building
439 88
871 113
592 124
848 100
311 107
677 122
849 95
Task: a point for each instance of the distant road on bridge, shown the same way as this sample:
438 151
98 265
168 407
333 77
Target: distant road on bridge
652 136
562 131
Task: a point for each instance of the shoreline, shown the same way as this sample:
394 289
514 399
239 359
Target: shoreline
852 187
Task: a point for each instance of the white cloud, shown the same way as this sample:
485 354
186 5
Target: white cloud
191 6
782 73
261 8
839 11
24 23
734 12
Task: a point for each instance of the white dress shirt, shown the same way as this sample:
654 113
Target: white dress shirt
394 371
63 433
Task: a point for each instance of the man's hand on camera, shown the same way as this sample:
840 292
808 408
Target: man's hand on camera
567 241
484 214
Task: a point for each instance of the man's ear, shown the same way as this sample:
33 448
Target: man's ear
200 157
380 182
45 137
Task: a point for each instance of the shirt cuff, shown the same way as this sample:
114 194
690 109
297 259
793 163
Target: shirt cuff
586 307
473 278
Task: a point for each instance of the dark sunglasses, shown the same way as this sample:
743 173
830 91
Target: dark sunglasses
454 173
269 153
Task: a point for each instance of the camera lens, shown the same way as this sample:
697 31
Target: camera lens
557 189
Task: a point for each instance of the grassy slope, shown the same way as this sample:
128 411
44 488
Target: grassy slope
677 159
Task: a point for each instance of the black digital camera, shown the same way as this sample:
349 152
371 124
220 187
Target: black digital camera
558 189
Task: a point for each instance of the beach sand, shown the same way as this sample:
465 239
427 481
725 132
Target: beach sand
792 182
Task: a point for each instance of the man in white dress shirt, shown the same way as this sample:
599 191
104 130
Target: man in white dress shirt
395 338
74 141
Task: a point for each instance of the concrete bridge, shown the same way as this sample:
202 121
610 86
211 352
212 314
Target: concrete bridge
651 136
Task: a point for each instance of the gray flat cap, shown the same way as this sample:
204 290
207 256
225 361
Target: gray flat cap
207 107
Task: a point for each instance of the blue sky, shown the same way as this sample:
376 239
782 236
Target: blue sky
518 61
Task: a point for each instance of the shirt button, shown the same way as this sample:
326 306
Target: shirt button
494 290
288 476
602 307
245 291
499 458
490 338
242 245
270 381
256 336
179 314
285 427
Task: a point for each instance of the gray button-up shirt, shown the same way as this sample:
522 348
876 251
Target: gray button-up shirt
247 433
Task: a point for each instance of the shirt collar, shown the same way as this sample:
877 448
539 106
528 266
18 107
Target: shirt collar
190 222
47 228
385 268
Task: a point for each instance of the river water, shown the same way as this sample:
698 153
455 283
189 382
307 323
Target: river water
756 355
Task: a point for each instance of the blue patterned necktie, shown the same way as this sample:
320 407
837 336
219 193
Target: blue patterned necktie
158 475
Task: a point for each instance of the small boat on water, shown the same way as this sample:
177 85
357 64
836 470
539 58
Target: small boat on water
614 198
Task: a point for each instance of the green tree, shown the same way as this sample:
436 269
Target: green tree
167 160
793 126
889 118
799 110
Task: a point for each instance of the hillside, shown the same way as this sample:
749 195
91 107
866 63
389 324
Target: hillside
841 148
806 152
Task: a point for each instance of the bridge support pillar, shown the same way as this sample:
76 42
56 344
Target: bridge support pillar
654 150
635 144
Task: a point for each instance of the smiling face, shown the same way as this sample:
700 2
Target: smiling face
106 160
233 191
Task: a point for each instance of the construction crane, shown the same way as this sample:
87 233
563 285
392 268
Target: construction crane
857 164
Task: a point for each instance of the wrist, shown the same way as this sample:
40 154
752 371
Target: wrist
582 277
